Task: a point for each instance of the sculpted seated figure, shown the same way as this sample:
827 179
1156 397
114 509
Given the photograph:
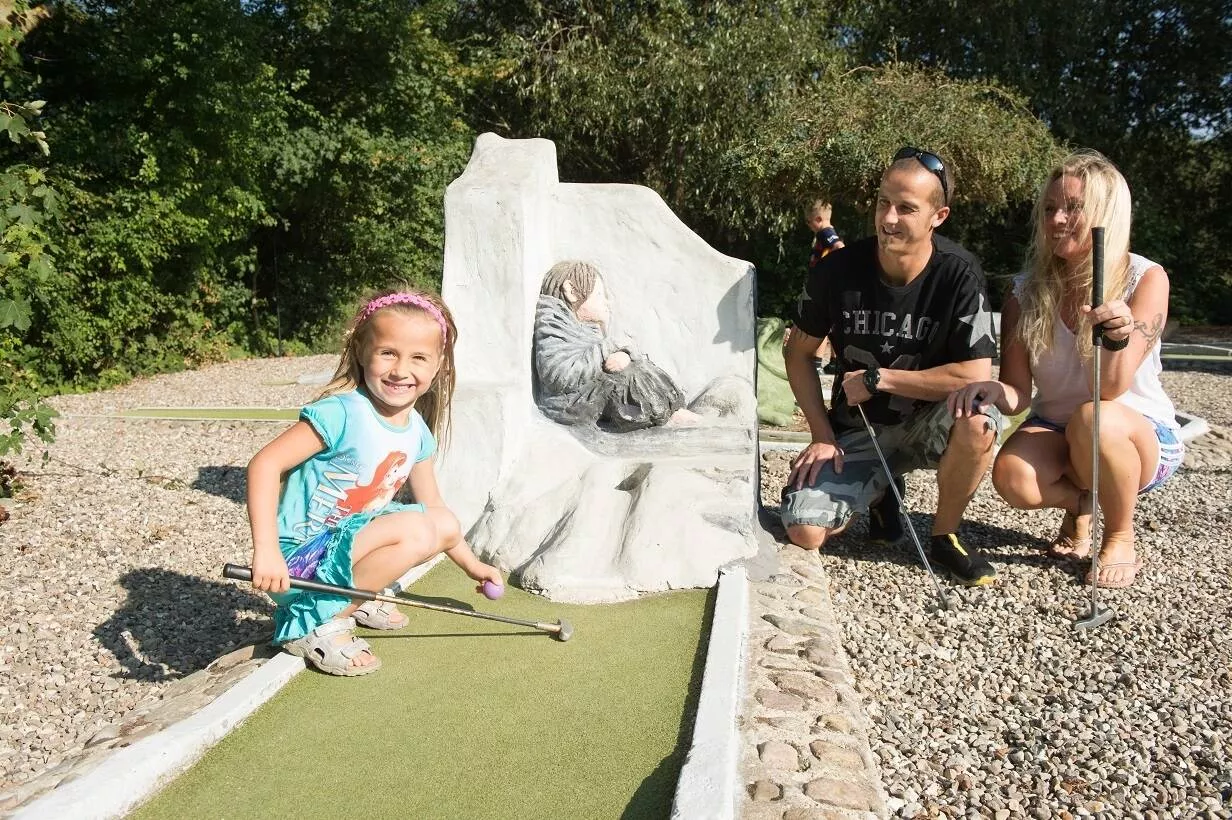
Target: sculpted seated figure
584 376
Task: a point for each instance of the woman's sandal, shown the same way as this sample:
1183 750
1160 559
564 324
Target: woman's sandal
1067 546
380 615
319 649
1125 580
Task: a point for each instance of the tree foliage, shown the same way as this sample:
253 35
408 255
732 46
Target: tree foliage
29 209
738 112
191 180
1146 82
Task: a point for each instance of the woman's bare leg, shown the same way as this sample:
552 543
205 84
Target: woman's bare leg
1128 453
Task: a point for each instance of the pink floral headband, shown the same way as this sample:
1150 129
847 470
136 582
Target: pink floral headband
407 299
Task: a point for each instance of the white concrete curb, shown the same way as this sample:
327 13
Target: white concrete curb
128 777
708 785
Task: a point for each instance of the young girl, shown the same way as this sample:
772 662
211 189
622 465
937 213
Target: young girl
373 428
1047 340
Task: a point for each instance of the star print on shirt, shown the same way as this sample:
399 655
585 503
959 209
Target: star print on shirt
887 348
980 322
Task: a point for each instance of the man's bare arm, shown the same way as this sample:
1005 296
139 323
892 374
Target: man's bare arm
935 383
805 385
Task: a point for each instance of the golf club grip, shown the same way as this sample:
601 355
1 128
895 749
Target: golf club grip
238 573
1097 278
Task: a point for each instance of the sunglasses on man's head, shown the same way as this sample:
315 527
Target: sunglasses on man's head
931 162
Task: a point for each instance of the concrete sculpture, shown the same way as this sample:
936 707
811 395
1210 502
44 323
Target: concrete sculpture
580 511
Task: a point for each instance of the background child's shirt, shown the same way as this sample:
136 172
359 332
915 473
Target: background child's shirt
364 462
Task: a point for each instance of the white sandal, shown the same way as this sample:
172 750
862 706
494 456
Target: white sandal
320 650
379 615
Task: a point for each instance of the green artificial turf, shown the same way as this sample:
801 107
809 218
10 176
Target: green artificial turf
470 718
224 413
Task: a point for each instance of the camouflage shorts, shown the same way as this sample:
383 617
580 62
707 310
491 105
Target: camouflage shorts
918 445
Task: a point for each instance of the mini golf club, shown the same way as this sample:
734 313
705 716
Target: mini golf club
561 630
1097 615
943 602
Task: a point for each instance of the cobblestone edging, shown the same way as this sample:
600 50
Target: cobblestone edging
181 700
806 750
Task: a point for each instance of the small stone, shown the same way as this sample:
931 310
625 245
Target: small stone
832 754
810 595
793 626
840 793
779 755
774 699
765 790
783 644
818 692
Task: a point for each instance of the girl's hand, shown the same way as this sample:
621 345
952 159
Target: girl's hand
269 571
485 572
975 398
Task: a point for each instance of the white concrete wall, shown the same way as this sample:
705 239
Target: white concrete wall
507 220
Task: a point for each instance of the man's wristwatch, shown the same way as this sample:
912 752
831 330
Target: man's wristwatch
872 378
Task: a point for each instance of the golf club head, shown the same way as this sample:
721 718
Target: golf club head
1094 617
565 632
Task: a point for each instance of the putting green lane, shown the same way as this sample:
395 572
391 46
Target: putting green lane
470 718
214 413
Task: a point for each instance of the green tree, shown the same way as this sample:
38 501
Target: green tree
28 210
737 112
1145 82
358 182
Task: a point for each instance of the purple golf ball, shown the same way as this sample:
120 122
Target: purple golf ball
493 591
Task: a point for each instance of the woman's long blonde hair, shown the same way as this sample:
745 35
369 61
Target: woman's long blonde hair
434 405
1106 203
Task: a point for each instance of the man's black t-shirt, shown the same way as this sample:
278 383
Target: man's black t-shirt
941 317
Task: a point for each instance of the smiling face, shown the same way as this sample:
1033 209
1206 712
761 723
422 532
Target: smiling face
906 210
401 358
1064 225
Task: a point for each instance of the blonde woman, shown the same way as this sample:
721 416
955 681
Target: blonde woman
1046 341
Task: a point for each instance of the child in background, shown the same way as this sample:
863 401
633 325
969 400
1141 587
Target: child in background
825 241
374 427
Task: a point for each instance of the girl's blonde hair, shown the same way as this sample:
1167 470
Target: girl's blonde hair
434 405
1105 203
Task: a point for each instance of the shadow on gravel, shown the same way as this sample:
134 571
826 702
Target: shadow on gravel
173 624
1001 545
229 482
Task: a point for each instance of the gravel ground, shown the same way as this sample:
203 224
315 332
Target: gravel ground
111 558
111 591
999 708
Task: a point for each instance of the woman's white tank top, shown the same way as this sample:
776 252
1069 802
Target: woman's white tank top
1062 380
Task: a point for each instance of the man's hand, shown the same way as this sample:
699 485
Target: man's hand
854 389
617 362
808 463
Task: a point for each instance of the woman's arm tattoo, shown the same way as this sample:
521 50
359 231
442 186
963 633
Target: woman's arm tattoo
1153 329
